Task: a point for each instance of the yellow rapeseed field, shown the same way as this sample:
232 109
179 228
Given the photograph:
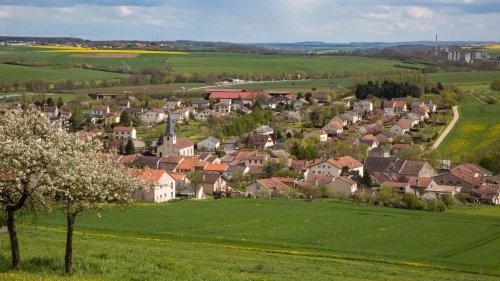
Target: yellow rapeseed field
71 49
494 46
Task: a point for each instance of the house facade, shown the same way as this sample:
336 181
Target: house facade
161 186
153 116
209 144
124 133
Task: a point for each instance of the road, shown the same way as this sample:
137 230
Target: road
448 129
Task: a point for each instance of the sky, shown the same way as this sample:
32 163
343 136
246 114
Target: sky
254 21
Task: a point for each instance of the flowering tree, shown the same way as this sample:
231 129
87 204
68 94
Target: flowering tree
42 164
28 142
88 179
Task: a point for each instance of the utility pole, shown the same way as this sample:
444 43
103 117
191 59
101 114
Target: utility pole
436 53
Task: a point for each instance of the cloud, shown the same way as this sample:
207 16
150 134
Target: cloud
125 11
4 14
255 20
419 13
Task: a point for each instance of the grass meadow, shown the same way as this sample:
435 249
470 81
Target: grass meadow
478 125
248 239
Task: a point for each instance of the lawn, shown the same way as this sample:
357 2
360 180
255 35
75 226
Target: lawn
249 239
478 125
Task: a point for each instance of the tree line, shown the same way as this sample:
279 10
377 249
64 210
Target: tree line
387 90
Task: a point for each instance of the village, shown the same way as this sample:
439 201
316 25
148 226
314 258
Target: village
363 147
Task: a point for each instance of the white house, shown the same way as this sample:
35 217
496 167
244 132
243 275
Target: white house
172 103
395 106
344 185
223 107
210 144
100 110
51 111
363 106
400 127
205 114
333 167
161 186
153 116
333 127
124 133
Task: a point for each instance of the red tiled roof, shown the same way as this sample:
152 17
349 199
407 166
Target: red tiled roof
216 167
172 159
272 183
149 176
320 179
344 161
123 129
177 176
127 159
100 108
422 181
347 180
183 143
403 124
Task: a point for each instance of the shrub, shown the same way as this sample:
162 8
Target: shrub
435 205
495 85
411 201
462 197
448 200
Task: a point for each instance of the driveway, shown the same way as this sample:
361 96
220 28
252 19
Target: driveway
448 129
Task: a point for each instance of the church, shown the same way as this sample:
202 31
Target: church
172 145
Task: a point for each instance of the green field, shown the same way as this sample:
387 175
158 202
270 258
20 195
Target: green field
478 125
464 77
11 73
198 62
266 240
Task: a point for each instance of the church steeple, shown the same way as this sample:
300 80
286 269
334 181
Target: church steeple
170 127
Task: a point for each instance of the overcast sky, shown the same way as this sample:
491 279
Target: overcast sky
252 21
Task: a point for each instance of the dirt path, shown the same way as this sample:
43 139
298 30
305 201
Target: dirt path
448 129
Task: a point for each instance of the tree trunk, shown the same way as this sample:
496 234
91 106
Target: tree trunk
14 242
68 258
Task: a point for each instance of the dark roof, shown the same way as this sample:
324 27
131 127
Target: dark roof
379 164
258 139
211 177
199 101
149 161
410 167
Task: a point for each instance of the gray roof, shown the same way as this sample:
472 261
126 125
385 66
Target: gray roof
212 140
379 164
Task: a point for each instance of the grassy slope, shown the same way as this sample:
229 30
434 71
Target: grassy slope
270 239
478 125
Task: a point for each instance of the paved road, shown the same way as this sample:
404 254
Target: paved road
448 129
